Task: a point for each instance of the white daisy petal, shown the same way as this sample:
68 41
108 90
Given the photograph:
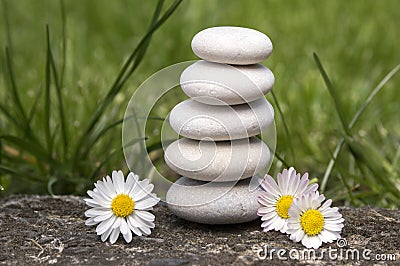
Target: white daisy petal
134 229
128 236
91 221
268 216
110 186
145 215
100 200
264 201
106 234
281 178
114 235
294 226
104 225
129 183
329 212
333 227
315 242
270 186
280 224
117 223
278 199
144 192
299 235
118 181
134 221
146 203
119 206
145 230
135 187
303 184
272 221
124 226
325 236
92 203
322 223
335 220
264 210
103 190
96 212
325 205
268 228
293 184
142 222
311 241
269 197
311 188
101 218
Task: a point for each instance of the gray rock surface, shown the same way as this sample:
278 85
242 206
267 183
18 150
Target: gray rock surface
213 203
37 230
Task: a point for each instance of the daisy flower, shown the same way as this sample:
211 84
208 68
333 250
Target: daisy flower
277 198
121 207
312 222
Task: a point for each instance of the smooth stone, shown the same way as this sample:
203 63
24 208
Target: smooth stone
213 203
232 45
200 121
221 84
219 161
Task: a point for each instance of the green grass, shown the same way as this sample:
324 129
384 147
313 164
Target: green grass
341 122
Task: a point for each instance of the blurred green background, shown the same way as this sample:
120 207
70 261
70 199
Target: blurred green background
356 41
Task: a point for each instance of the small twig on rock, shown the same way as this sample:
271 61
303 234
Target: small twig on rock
152 239
38 245
389 219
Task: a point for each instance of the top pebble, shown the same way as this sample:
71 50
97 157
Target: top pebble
232 45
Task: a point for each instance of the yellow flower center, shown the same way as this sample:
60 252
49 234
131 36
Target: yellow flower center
122 205
312 222
283 205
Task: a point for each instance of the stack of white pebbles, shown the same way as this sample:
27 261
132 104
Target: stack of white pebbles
219 125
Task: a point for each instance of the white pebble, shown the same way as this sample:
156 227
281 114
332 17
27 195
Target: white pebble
213 203
219 161
220 84
232 45
200 121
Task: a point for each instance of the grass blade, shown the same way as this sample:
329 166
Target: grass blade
64 41
27 146
372 95
47 96
331 164
61 112
7 24
143 49
98 136
11 118
94 174
280 158
285 127
14 90
34 107
355 118
118 83
333 93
